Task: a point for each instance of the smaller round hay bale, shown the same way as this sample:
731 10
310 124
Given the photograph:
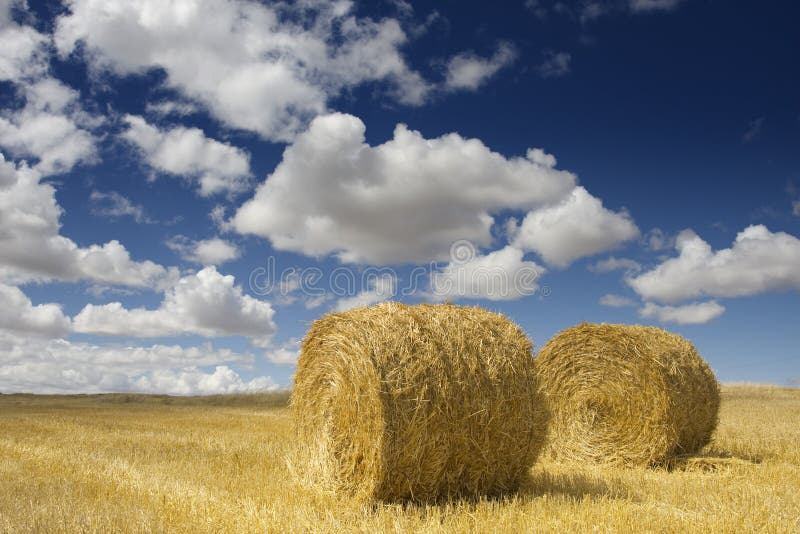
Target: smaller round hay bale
625 395
425 402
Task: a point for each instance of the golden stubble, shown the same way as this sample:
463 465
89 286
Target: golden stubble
158 464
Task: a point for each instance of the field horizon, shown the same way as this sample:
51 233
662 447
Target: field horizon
276 397
154 463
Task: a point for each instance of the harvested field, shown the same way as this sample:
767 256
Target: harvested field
143 464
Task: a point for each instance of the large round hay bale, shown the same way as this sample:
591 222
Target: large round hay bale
626 395
424 402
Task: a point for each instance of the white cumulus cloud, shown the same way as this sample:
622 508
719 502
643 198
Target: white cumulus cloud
286 354
695 313
258 67
206 303
757 262
406 200
381 288
8 173
498 275
36 365
193 381
32 248
578 226
18 315
187 152
51 126
213 251
21 48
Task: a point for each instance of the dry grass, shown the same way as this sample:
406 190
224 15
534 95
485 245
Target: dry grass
626 395
422 403
99 464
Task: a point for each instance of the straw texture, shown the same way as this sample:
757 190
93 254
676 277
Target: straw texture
626 395
425 402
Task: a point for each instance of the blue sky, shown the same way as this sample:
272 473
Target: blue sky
631 161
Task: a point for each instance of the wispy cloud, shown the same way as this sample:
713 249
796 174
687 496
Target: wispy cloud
616 301
639 6
468 71
753 130
115 206
555 64
616 264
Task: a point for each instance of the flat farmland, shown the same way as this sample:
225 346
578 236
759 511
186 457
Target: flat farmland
137 463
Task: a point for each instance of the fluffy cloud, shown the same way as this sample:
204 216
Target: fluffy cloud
8 173
468 71
696 313
499 275
286 354
51 126
577 227
60 366
214 251
48 128
131 360
21 48
616 301
381 288
32 249
757 262
192 381
406 200
19 315
217 216
266 69
187 152
207 303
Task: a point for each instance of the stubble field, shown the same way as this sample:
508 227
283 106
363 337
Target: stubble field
129 463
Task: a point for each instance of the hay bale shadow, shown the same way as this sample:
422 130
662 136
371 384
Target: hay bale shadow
537 484
573 484
710 462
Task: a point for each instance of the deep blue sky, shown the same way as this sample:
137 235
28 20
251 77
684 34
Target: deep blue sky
687 117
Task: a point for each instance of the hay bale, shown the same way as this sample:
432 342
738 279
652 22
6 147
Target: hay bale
626 395
424 402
